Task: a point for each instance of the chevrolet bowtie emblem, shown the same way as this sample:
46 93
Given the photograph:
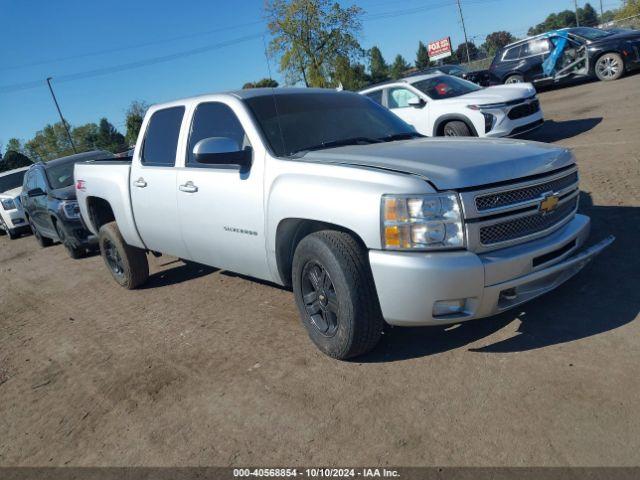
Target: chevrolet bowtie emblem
549 203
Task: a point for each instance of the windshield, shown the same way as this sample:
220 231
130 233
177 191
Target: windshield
453 69
444 86
11 181
590 33
304 121
60 175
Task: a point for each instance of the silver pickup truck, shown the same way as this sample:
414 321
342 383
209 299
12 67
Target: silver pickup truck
331 194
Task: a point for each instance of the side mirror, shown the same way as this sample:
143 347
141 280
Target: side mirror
36 192
221 151
416 102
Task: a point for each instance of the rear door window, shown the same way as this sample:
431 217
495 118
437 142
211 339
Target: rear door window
535 47
513 53
161 139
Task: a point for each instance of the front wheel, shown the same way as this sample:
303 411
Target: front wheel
73 251
517 78
609 66
128 265
335 294
42 241
457 129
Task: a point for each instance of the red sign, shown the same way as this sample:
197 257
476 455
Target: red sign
440 49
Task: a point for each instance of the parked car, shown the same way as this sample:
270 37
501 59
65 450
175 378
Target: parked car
333 195
12 221
480 77
443 105
49 202
561 55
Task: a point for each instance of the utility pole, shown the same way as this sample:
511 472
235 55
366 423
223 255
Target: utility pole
64 123
575 4
464 30
601 13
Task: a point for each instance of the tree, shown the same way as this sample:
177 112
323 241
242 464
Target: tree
350 76
399 66
461 51
422 56
14 144
109 138
264 83
554 21
85 137
13 159
377 66
134 116
496 40
630 8
588 16
49 143
310 35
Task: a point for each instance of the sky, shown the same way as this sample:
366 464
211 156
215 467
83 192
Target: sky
103 55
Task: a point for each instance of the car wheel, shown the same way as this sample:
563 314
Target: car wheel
73 251
128 265
335 294
12 234
3 228
42 241
456 129
609 66
517 78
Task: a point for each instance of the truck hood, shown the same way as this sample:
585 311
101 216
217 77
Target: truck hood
65 193
451 164
13 193
497 94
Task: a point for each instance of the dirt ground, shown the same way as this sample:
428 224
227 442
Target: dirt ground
202 367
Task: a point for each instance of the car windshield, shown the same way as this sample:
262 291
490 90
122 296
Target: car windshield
453 69
590 33
298 122
60 175
445 86
11 181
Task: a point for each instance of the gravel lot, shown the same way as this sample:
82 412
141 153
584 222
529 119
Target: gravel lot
203 367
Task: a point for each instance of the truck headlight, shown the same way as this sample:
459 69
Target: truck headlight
422 222
8 204
70 209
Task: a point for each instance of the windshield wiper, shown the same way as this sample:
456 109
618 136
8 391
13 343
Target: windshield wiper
339 143
401 136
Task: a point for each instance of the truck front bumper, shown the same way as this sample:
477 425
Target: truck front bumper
410 283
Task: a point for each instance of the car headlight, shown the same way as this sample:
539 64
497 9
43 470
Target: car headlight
8 204
70 209
422 222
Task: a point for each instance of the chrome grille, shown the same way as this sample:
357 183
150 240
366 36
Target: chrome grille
526 225
512 197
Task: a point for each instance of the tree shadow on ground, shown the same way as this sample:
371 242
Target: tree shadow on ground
600 298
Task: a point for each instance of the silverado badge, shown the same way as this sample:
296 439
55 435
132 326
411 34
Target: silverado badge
549 203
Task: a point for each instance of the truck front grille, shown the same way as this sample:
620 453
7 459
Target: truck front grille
512 197
527 225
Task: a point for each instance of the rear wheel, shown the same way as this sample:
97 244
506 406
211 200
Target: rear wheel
128 265
516 78
609 66
72 250
42 241
335 294
456 129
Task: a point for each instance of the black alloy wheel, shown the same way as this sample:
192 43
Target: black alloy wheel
320 298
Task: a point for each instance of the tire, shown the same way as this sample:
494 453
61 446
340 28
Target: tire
515 78
128 265
73 251
3 228
609 67
456 128
42 241
12 234
339 309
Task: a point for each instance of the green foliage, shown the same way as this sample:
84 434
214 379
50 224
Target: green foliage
49 143
309 36
496 40
14 144
588 16
567 18
629 8
351 76
109 138
13 159
399 66
422 56
461 51
377 66
134 116
264 83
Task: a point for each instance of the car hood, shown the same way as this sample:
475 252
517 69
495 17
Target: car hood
625 35
65 193
452 164
13 193
498 94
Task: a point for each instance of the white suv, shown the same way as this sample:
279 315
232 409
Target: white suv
443 105
12 219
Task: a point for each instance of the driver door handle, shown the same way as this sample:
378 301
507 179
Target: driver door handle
188 187
140 183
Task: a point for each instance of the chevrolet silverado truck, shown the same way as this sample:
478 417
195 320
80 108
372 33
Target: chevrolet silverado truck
334 196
